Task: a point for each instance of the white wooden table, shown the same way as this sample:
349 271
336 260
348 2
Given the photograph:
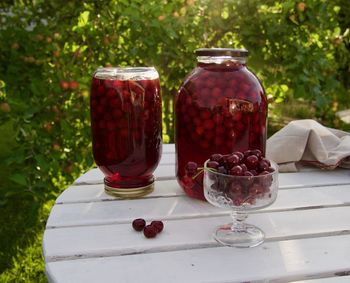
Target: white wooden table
89 238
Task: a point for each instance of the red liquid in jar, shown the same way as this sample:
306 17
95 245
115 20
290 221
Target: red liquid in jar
220 108
126 123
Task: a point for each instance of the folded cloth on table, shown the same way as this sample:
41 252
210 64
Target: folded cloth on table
309 142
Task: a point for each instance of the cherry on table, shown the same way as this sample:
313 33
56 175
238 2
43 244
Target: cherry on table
138 224
158 225
150 231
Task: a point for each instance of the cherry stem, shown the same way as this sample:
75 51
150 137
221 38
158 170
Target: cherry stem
200 171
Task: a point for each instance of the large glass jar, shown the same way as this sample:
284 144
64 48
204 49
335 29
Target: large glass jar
126 124
221 107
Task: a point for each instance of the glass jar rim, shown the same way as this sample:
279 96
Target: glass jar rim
221 52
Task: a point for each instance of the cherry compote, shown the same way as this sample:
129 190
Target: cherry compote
126 123
221 107
242 183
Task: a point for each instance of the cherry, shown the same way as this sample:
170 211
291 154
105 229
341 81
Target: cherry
216 157
244 167
248 173
222 170
138 224
239 154
263 165
270 170
150 231
64 85
257 153
252 161
213 164
191 168
158 225
232 160
236 171
73 85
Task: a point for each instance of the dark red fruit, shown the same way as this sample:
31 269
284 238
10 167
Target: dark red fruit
263 165
216 157
213 164
252 161
239 154
232 160
222 170
150 231
138 224
191 168
236 171
257 153
244 167
158 225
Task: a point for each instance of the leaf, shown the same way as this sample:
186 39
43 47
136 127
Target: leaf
42 162
19 179
83 19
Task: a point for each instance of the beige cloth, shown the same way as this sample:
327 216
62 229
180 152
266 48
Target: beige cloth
308 142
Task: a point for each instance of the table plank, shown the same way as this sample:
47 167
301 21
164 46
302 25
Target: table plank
95 192
297 180
122 211
99 241
92 193
338 279
279 261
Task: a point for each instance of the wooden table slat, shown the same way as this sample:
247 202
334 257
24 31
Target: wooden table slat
109 212
107 240
281 261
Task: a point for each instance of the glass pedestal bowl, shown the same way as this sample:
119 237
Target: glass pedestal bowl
242 194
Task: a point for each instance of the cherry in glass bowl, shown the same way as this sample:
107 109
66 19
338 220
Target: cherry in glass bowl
241 194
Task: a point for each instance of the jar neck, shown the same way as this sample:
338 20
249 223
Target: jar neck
221 60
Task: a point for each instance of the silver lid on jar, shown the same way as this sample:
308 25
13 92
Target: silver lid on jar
127 73
213 52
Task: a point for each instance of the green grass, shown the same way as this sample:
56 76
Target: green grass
23 224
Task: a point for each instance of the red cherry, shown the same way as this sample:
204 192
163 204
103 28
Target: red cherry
64 85
222 170
5 107
239 154
213 164
257 152
205 114
236 171
158 225
216 157
150 231
191 168
138 224
208 124
252 161
73 85
232 160
271 169
244 167
263 165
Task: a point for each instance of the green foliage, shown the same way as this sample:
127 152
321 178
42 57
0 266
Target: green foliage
50 49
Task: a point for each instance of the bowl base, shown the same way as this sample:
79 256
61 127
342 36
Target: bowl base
250 236
129 193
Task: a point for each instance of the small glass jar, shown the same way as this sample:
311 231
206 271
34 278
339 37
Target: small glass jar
221 107
126 125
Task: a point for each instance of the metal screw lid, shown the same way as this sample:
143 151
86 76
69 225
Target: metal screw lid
221 52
